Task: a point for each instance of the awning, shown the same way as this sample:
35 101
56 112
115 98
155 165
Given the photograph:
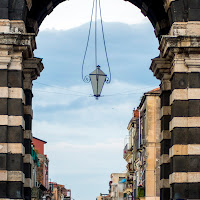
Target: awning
123 181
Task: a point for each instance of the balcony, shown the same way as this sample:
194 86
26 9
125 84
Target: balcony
130 168
127 151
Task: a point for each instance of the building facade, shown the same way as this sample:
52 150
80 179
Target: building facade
103 197
59 192
116 186
40 174
142 152
43 169
147 151
128 156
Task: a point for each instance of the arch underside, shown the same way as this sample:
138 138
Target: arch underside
33 12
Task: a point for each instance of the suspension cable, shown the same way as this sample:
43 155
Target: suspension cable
87 40
96 34
109 80
86 78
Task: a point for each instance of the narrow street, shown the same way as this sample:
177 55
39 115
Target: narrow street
99 99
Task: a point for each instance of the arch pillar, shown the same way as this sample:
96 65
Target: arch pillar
16 56
180 85
161 69
31 70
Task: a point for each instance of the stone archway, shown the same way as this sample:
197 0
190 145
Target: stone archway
177 26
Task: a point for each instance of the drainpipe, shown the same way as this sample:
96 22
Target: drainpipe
139 147
139 127
141 176
133 164
135 190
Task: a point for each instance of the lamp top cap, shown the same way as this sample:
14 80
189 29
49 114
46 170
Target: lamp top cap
98 66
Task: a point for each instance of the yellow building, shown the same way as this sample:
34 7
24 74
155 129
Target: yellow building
103 197
117 186
128 156
142 151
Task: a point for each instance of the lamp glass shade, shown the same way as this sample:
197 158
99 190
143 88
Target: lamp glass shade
97 78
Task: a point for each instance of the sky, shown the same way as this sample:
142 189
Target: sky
85 137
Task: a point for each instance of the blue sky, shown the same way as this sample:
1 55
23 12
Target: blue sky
85 137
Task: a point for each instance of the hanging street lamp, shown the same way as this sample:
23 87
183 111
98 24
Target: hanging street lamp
98 78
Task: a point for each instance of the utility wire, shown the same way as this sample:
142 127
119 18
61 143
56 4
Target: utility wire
88 94
130 92
61 93
60 88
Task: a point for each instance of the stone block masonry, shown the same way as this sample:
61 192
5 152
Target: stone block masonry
18 67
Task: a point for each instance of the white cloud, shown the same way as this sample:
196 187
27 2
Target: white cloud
84 136
74 13
94 156
83 118
50 95
111 144
85 139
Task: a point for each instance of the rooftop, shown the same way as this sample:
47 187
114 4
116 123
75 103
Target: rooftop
40 140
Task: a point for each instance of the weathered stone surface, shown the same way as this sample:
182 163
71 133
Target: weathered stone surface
165 193
28 110
15 78
16 176
186 191
28 97
3 78
15 134
28 122
28 159
165 119
185 163
16 93
3 158
3 106
27 171
165 110
164 171
184 177
165 98
15 190
28 183
3 186
28 134
27 145
165 145
165 134
16 121
15 107
181 150
14 162
164 158
3 175
164 183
